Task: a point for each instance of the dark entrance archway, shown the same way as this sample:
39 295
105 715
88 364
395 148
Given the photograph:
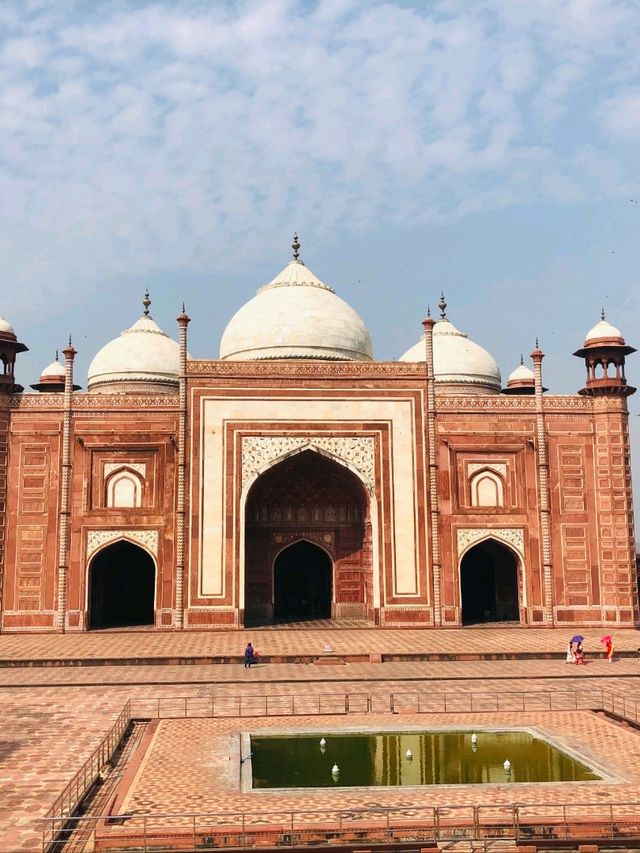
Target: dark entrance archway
121 587
302 583
489 584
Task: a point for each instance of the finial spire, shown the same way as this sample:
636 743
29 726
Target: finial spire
442 305
183 307
537 344
146 302
428 310
295 246
521 359
57 356
69 339
602 313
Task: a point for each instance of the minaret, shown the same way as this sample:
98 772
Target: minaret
183 321
64 513
544 495
604 352
432 456
10 346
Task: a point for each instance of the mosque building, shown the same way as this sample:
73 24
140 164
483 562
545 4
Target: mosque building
296 478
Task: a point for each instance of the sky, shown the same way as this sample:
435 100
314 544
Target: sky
481 147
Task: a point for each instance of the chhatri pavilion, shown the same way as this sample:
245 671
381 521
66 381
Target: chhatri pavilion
296 478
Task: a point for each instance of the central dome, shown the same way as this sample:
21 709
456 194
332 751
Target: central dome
296 316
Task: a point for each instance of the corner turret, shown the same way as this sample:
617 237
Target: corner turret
604 352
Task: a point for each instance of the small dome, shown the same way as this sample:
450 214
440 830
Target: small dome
457 360
6 327
52 379
604 331
296 316
143 358
55 370
521 380
522 373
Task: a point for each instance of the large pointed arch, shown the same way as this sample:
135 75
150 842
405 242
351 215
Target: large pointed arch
337 534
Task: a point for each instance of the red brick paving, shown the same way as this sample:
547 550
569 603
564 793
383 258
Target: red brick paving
49 731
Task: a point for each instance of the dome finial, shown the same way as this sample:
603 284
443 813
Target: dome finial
428 310
521 359
146 302
602 313
295 246
442 305
57 358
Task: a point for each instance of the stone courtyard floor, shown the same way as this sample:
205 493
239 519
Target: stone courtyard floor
53 717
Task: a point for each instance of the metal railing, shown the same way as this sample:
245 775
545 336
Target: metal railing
61 819
295 828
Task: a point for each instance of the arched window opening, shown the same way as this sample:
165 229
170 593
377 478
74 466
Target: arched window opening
124 489
487 489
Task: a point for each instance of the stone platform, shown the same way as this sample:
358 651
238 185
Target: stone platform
54 717
306 643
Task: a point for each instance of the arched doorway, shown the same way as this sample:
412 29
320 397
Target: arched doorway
121 587
302 583
307 510
489 584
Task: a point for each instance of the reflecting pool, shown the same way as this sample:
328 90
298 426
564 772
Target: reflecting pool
410 758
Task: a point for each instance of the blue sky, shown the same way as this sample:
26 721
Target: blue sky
483 147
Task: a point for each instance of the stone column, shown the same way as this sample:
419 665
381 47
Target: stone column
183 322
432 457
65 489
4 466
544 506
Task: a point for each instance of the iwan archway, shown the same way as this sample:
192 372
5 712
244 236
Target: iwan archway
489 584
122 579
308 543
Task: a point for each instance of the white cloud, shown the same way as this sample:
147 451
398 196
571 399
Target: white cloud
179 128
620 115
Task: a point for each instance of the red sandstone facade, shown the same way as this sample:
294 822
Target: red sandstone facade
338 482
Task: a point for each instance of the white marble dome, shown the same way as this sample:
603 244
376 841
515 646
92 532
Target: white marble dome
296 316
6 327
143 358
52 371
457 360
603 331
522 373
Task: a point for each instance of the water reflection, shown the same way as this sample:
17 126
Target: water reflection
437 758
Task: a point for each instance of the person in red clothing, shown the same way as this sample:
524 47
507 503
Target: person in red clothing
608 648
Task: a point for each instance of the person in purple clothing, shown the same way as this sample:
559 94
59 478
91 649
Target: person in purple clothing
249 656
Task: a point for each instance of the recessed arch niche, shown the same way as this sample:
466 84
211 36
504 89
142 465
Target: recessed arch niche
121 587
308 497
489 583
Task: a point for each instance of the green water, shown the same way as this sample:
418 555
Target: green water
439 758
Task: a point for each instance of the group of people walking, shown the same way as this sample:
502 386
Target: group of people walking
575 650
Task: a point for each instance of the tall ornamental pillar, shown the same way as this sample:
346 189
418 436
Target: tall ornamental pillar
544 500
183 322
65 488
432 456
